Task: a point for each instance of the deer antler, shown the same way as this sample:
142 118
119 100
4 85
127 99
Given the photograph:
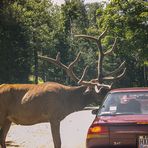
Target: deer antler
98 82
101 55
69 68
57 62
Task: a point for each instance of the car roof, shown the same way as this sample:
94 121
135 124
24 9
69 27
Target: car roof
131 89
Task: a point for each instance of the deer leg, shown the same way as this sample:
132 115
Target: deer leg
55 130
3 132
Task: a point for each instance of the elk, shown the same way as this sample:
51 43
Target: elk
28 104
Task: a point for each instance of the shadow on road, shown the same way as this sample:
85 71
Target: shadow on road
73 133
11 144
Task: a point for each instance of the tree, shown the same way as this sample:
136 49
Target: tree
25 30
14 48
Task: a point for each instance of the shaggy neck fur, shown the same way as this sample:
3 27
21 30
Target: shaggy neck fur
77 99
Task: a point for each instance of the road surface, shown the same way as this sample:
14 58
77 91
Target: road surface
73 133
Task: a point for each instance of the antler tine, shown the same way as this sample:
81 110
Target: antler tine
70 69
115 78
104 85
58 57
117 70
87 37
83 75
76 60
121 75
112 49
94 38
103 34
54 61
75 78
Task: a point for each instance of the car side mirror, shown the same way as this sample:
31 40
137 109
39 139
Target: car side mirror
95 111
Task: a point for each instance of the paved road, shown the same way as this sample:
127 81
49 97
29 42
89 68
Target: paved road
73 133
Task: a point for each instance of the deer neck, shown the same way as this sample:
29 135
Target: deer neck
76 98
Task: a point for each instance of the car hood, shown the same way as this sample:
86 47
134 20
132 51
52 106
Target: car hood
138 119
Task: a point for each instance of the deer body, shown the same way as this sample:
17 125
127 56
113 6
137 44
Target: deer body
10 96
45 102
48 102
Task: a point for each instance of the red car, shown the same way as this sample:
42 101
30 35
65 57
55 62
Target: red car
121 121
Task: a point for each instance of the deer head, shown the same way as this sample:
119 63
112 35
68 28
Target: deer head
96 84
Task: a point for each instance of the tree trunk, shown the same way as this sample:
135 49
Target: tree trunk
36 66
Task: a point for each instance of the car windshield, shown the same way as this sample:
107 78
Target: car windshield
121 103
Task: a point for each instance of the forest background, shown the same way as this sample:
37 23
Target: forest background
32 27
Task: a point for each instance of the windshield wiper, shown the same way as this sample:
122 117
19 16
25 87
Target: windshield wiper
116 114
108 114
126 113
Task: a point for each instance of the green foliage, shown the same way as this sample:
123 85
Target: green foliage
75 18
32 79
14 47
37 26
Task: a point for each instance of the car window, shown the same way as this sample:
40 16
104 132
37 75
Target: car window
125 103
